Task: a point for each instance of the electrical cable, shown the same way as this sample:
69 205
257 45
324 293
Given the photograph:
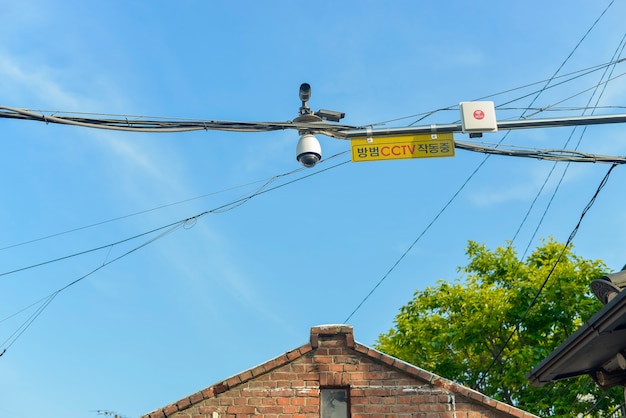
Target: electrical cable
189 125
530 208
168 126
92 225
558 70
133 123
220 209
548 154
48 299
545 282
406 252
167 229
578 74
619 50
130 215
518 323
614 60
555 155
602 83
542 154
562 109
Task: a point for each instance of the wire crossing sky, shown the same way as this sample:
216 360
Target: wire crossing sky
118 329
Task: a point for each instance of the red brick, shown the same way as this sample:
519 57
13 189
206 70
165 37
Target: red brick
380 387
296 401
269 410
219 388
183 404
196 397
169 410
241 410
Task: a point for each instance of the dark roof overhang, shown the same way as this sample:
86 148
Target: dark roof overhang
597 348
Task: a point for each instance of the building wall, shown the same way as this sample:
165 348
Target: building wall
377 390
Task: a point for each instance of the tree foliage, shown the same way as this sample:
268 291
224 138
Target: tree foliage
470 330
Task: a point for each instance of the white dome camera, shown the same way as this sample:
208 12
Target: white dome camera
308 150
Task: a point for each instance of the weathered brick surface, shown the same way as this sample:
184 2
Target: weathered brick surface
380 387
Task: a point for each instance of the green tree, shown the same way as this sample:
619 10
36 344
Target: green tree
460 330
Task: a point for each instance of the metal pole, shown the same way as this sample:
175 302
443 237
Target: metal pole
503 125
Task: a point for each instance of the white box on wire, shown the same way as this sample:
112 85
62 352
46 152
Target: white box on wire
478 117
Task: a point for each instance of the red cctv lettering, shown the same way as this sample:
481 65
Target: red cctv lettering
397 150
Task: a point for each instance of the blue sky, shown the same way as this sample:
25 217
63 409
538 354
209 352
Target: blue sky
242 285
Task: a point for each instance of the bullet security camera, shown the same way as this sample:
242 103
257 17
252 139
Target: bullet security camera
308 150
330 115
305 92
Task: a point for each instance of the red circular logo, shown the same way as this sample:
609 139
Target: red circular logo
479 114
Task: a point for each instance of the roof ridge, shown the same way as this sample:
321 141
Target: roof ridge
440 381
231 382
372 353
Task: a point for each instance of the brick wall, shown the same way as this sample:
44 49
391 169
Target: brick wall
379 387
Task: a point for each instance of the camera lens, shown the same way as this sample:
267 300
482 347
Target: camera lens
309 160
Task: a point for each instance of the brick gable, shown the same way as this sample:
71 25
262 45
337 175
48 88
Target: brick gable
380 386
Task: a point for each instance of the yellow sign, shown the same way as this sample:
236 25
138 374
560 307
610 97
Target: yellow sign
399 147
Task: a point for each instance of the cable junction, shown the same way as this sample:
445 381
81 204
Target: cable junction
542 154
153 125
139 124
156 125
502 125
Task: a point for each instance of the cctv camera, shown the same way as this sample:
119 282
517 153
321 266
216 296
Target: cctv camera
330 115
308 150
305 92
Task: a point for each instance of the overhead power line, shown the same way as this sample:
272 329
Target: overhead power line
343 131
154 125
137 124
555 155
165 230
542 154
533 302
506 125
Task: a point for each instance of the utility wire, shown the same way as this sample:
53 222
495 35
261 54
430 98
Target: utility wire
91 250
134 123
406 252
496 149
549 84
142 212
166 230
558 70
541 154
169 126
489 150
594 88
219 209
576 74
554 154
48 299
545 282
571 237
619 50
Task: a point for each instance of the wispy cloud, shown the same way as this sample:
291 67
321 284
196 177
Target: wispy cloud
24 82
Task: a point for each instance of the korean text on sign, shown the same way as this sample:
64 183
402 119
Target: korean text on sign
402 147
